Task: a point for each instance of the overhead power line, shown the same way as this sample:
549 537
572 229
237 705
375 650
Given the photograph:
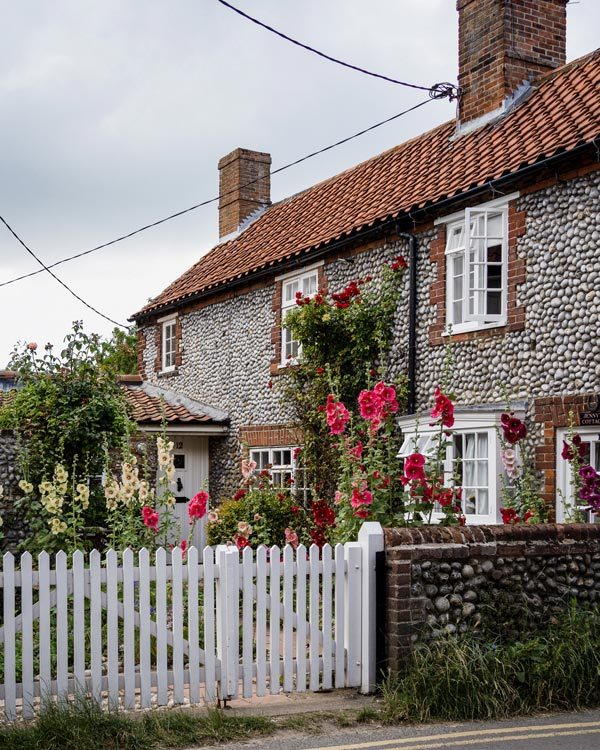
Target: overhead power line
55 277
211 200
437 91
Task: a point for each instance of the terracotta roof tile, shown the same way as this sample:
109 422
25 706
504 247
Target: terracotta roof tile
149 404
562 112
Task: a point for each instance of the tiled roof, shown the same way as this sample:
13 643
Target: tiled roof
149 404
562 112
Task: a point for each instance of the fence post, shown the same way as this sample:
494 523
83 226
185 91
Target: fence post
228 620
370 538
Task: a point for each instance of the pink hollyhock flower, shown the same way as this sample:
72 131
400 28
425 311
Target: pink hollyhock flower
567 452
509 458
248 467
444 408
291 537
388 394
150 518
32 346
197 506
415 459
361 512
337 415
338 497
370 405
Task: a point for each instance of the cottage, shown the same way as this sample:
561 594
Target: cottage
498 212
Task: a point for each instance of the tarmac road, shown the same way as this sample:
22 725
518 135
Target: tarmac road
573 731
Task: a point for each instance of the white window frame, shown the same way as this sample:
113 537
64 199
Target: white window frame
168 355
291 469
475 319
289 281
465 422
563 467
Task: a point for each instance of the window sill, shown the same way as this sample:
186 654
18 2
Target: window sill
472 328
167 373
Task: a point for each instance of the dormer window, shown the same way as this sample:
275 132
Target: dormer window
476 268
169 344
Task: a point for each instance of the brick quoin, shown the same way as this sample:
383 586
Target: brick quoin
502 43
554 412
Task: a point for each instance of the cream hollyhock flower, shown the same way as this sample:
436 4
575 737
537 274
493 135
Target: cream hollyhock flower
111 490
143 491
164 459
170 471
57 526
212 516
244 529
170 501
60 473
26 486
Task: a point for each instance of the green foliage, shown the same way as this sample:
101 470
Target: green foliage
267 510
345 339
465 678
118 354
84 725
68 411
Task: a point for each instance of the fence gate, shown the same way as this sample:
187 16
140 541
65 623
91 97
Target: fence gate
135 630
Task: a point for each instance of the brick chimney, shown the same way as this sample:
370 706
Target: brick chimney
502 43
237 198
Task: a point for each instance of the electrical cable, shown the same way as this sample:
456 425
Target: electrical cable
437 91
216 198
60 281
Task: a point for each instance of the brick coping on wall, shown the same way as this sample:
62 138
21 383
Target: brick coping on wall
543 532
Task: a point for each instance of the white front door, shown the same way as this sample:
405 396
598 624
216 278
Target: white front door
190 456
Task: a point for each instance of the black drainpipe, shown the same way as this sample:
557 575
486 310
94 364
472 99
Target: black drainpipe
412 322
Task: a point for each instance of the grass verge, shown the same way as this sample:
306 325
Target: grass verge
83 725
466 678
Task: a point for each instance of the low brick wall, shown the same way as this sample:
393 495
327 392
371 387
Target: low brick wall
502 578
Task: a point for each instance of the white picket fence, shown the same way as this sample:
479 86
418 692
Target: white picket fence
135 630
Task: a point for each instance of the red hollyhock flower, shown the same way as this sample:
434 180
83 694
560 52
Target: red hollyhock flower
241 541
361 512
197 506
240 494
509 515
443 409
150 518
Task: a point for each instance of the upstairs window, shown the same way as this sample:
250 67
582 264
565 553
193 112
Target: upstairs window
476 269
304 285
169 345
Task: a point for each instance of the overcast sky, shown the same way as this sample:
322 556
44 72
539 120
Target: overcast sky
114 113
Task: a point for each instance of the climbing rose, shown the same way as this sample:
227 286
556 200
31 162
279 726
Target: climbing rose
150 518
197 506
444 408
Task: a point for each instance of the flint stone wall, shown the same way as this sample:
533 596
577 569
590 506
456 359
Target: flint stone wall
442 581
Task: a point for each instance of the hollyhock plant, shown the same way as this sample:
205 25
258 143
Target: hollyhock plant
521 500
443 409
337 415
150 518
197 506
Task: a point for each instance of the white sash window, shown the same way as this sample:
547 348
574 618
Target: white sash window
476 267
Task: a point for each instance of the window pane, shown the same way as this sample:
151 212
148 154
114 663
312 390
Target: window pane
287 457
494 226
494 303
494 277
276 460
494 251
470 500
483 504
309 285
290 291
482 445
482 474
